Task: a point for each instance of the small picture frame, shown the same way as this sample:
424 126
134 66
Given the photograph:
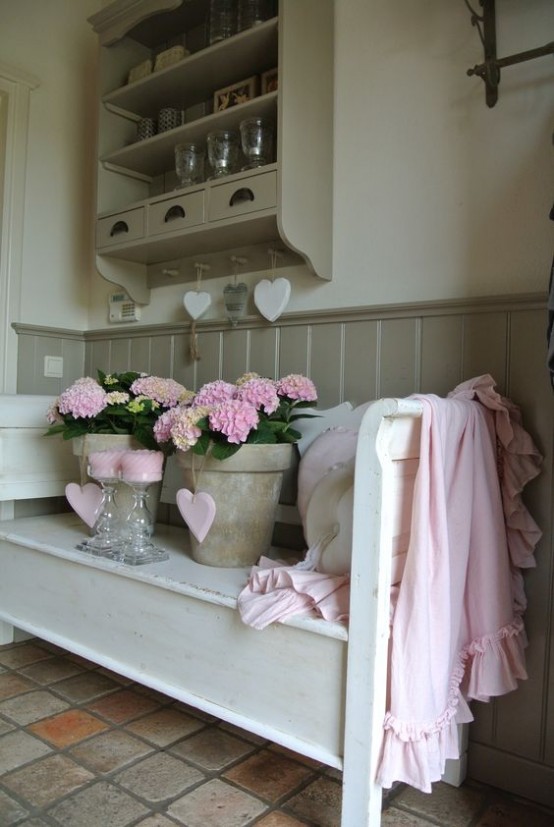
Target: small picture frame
238 93
269 81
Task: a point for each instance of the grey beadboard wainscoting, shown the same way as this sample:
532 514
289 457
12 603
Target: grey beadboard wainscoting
365 353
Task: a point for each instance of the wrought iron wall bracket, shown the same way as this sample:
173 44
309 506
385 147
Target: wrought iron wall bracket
489 70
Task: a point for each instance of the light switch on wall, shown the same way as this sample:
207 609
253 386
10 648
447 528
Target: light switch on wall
53 366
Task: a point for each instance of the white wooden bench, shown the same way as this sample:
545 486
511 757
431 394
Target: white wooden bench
313 686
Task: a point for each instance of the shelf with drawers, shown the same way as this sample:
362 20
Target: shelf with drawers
145 227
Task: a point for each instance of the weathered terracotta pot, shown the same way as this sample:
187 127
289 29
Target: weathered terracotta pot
246 489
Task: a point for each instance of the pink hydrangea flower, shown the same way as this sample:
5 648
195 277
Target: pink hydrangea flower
184 431
261 393
53 414
164 423
167 392
85 398
117 398
213 393
296 386
234 419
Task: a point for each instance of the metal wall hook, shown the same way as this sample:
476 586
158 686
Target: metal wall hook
489 70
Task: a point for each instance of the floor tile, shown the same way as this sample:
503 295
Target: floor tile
242 733
100 805
399 818
209 804
11 685
269 775
18 748
5 726
21 655
68 727
32 706
125 705
115 676
320 802
191 710
452 806
45 781
165 726
11 812
109 751
156 820
159 778
85 687
51 670
212 749
278 819
302 759
505 813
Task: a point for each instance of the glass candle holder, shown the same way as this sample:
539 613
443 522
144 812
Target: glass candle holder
189 163
223 152
106 541
139 469
256 136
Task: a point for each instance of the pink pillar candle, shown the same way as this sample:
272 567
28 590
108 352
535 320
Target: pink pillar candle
104 465
142 466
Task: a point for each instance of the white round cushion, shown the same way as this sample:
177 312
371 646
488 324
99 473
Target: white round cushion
332 448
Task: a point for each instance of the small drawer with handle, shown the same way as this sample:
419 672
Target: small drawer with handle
120 228
246 195
176 213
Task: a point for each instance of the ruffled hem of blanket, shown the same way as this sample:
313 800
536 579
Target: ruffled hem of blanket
415 753
519 462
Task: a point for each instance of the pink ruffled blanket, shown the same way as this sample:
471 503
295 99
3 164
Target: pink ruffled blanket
457 631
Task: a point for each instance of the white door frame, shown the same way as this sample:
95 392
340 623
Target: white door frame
15 89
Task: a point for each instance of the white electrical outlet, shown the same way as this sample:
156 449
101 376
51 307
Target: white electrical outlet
53 366
122 308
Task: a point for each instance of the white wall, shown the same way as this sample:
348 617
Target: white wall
436 196
52 40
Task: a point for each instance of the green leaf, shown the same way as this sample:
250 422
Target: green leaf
289 436
223 450
55 429
261 436
201 447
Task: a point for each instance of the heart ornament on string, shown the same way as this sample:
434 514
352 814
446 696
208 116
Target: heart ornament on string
196 303
272 297
85 501
197 510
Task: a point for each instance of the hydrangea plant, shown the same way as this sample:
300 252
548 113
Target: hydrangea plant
222 416
115 403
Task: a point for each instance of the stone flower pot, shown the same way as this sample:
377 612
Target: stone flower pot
245 489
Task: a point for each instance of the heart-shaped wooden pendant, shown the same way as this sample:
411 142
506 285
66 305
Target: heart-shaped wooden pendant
197 510
85 501
196 303
271 297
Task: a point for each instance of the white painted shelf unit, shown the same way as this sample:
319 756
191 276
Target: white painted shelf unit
145 227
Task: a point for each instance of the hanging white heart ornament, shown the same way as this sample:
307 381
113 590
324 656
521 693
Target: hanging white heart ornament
196 303
272 297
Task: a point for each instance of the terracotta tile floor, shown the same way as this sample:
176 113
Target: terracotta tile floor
82 747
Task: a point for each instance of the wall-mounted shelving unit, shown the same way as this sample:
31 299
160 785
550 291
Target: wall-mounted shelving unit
145 227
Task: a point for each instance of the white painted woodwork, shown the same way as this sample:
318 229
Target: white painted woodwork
15 89
31 464
291 208
313 686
